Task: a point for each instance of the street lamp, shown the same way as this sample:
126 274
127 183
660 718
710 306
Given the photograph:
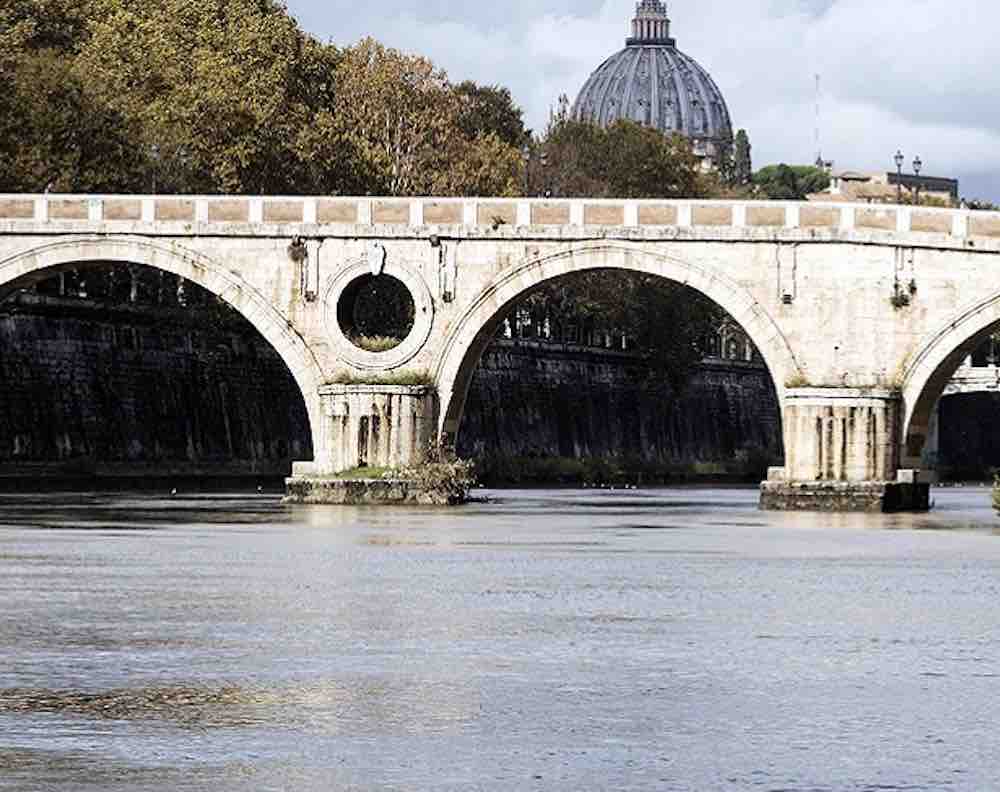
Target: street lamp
900 159
917 166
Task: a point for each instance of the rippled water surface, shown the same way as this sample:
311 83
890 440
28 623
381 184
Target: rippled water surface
662 640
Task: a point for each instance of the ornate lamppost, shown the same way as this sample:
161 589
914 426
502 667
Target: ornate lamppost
917 166
900 159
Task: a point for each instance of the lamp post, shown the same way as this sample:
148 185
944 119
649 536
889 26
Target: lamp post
917 166
154 153
900 159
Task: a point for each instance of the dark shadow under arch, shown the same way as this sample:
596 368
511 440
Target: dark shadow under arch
475 330
938 358
39 263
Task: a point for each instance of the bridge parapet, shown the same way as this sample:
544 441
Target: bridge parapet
336 216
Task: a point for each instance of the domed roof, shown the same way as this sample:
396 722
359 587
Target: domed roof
654 83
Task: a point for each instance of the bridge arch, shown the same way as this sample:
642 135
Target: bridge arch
40 262
475 329
939 356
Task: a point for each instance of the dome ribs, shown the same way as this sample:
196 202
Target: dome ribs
654 83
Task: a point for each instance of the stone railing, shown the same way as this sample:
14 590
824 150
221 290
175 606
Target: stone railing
489 214
974 379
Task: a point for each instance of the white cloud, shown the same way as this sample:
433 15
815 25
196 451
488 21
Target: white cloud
920 75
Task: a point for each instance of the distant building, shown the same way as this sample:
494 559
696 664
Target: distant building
654 83
857 186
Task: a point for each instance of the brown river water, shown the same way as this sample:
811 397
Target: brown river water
547 640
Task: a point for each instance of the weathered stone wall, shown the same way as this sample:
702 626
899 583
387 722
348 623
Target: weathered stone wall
142 391
528 399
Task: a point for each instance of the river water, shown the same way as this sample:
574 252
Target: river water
661 640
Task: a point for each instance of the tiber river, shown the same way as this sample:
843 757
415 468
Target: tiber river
658 640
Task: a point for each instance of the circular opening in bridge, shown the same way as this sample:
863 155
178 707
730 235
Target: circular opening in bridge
376 312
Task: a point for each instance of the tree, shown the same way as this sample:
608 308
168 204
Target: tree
484 166
33 25
666 321
414 133
790 182
230 96
742 161
54 135
219 90
486 109
625 160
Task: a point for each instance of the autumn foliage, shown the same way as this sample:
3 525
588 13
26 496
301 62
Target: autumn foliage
230 96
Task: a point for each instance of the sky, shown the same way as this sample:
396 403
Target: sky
921 76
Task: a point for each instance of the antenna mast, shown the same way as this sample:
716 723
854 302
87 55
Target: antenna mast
819 146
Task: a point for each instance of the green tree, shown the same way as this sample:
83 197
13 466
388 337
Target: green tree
667 322
33 25
231 96
486 109
625 160
742 160
219 91
790 182
410 129
54 135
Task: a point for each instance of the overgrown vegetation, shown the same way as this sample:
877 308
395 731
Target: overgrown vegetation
414 378
375 343
441 478
367 474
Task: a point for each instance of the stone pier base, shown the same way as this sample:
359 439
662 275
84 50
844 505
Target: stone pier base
885 497
364 492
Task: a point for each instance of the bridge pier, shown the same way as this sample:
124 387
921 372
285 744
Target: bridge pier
373 427
842 453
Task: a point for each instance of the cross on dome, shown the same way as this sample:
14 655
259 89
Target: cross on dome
651 25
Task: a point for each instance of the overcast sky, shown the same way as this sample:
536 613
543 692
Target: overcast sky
920 75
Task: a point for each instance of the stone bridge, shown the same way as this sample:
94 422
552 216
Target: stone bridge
862 313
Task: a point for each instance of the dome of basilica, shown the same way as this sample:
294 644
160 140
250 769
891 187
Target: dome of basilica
654 83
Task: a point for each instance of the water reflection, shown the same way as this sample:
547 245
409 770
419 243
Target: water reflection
545 640
328 707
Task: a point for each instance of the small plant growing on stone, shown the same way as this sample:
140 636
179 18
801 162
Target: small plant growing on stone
375 343
443 478
297 250
398 378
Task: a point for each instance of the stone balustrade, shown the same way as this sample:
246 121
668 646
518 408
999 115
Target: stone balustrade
488 214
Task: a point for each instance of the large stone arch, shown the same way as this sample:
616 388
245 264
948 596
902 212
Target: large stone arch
938 357
38 262
472 333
